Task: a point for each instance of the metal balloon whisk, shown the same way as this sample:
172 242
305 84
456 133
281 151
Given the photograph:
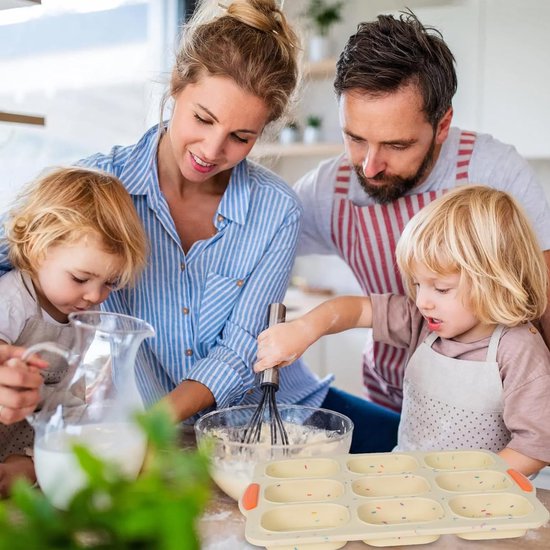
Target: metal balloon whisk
267 412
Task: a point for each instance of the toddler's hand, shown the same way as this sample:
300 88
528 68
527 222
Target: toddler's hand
280 345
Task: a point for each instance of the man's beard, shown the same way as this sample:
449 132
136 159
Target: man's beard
394 187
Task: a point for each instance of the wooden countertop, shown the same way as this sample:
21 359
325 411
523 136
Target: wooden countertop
222 528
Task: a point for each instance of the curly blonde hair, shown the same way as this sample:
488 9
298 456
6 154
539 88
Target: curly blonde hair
483 235
68 204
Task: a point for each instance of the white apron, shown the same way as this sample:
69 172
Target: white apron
366 237
18 438
452 403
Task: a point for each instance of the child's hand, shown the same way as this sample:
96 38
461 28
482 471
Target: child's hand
522 463
281 345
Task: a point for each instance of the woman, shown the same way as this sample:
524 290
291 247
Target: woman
20 383
222 230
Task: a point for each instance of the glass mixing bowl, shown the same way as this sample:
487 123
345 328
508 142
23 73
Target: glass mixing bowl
311 432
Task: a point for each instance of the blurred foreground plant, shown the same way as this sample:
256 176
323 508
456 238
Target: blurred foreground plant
157 511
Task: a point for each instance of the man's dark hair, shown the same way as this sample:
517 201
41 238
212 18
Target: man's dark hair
390 53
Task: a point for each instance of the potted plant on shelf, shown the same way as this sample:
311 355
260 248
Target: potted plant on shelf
289 133
322 15
312 131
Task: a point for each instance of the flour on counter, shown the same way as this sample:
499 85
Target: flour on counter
232 543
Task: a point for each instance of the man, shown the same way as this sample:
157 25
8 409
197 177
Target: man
395 81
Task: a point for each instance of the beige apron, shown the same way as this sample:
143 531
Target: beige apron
18 438
452 403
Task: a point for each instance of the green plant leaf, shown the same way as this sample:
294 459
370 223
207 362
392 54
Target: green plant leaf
162 433
314 121
158 510
323 15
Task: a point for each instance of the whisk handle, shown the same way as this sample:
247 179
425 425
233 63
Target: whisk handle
276 314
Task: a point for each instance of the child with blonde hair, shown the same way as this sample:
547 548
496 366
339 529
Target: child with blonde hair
478 374
73 237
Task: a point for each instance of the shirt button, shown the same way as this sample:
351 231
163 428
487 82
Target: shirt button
185 311
240 282
188 352
182 266
220 218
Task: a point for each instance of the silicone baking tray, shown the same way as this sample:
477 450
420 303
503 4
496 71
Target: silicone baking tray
387 499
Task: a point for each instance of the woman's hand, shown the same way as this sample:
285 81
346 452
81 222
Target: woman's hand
280 345
20 383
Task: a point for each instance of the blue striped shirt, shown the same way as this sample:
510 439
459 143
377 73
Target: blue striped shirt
209 305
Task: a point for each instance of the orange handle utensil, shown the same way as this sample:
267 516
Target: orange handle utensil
249 500
523 483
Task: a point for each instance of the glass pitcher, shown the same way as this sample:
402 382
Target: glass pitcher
93 405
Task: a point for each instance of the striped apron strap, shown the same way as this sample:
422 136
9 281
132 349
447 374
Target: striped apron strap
355 232
341 210
342 178
465 150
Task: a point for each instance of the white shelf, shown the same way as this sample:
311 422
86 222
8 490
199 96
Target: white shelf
321 69
262 150
317 70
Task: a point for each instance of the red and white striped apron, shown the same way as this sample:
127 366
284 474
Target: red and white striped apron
366 237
